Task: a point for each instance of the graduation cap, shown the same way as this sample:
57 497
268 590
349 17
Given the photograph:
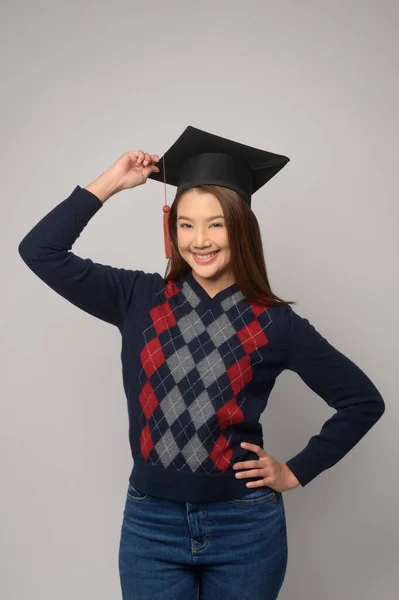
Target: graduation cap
198 158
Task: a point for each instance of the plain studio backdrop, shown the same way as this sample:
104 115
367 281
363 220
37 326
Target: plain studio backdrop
83 82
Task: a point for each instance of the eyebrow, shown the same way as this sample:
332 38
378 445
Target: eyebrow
208 219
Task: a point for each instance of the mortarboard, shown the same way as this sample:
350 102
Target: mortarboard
198 157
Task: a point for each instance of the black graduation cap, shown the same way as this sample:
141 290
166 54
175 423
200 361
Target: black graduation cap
198 158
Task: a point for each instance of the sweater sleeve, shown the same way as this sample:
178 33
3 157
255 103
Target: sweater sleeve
342 385
100 290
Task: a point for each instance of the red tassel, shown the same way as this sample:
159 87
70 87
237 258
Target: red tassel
168 247
166 210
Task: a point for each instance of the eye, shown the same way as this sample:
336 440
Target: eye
188 225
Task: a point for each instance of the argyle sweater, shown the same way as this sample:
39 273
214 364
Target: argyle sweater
198 370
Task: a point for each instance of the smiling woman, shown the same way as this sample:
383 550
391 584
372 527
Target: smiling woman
200 356
211 218
203 242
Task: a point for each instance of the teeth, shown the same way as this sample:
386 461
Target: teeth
205 256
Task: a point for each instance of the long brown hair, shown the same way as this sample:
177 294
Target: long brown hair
246 249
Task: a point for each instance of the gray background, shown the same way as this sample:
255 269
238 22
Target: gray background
83 82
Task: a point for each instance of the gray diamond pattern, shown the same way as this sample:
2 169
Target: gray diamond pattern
210 368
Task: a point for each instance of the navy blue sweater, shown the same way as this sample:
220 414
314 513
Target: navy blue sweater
198 370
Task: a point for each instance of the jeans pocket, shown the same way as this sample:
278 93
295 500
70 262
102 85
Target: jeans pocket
134 495
256 496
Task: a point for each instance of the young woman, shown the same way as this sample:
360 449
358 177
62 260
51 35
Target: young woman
201 349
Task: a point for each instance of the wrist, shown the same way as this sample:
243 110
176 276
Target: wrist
104 186
291 478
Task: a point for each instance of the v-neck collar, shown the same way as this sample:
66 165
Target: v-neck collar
188 277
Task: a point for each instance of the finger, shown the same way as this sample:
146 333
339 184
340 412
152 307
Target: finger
245 465
147 159
251 473
140 156
253 484
154 157
249 446
136 155
255 448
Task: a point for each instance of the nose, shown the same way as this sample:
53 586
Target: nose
200 238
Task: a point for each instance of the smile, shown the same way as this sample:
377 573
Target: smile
205 258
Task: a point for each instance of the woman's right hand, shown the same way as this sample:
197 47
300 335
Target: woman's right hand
133 168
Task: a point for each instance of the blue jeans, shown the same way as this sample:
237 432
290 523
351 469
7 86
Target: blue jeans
230 550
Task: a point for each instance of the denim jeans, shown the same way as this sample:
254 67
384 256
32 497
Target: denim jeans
230 550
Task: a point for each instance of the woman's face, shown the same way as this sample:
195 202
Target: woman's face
201 229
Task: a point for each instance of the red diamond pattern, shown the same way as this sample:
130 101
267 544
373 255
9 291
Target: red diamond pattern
252 338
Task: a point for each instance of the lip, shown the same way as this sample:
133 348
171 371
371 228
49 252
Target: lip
205 262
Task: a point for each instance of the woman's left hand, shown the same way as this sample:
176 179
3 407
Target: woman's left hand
274 474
